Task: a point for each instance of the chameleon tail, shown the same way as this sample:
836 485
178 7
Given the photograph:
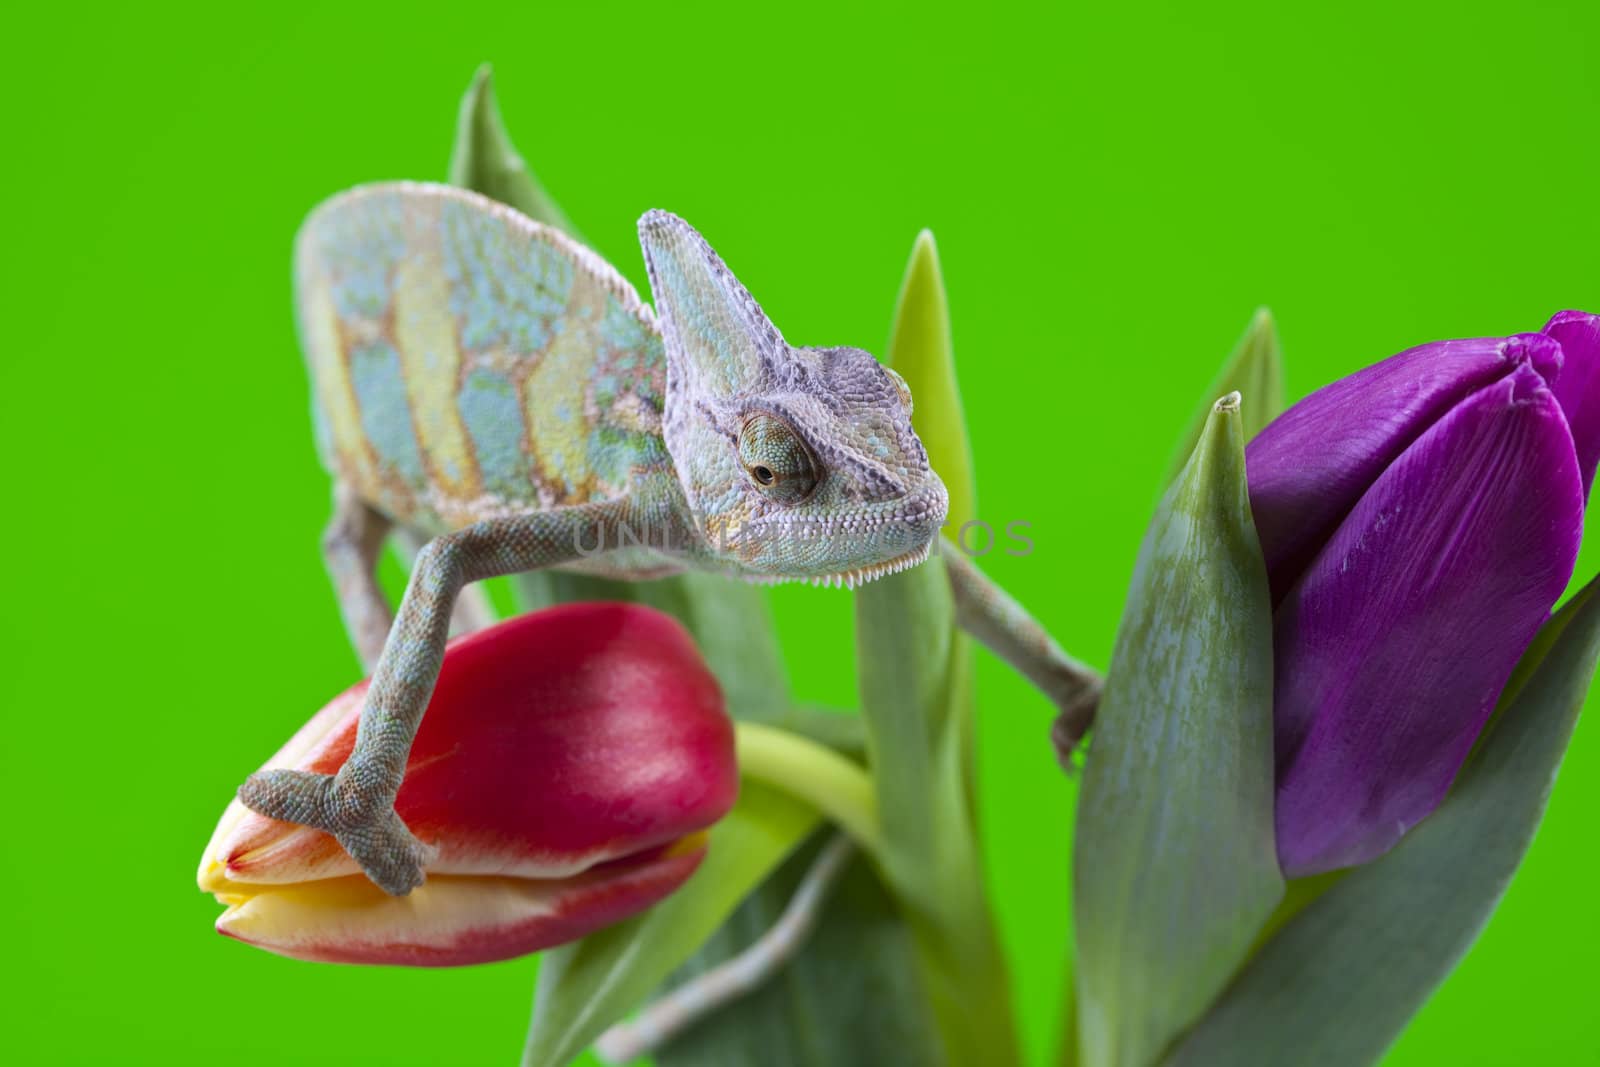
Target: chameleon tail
663 1020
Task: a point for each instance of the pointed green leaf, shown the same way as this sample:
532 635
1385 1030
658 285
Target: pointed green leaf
485 160
586 986
1255 371
911 664
921 353
914 678
1341 980
860 955
1175 866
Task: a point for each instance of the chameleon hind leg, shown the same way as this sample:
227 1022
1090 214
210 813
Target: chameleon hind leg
989 614
351 544
356 805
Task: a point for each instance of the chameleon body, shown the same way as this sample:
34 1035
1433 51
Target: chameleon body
467 364
485 384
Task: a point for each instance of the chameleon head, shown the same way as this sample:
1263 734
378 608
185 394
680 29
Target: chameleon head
798 463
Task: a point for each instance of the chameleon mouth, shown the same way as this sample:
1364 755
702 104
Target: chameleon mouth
862 575
850 579
918 516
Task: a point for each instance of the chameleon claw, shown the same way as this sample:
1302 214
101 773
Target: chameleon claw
389 853
1071 723
378 840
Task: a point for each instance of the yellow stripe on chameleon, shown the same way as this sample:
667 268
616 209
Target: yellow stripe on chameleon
425 337
330 369
555 394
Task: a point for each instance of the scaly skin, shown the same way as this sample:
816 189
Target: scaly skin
483 379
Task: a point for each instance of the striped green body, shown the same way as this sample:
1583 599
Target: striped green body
468 363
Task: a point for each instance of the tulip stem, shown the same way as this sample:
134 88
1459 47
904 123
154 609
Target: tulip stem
834 785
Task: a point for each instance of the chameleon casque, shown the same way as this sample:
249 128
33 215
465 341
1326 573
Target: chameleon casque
485 383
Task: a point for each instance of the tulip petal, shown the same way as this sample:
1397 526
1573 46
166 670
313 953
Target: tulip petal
553 742
452 921
1578 387
1310 466
1394 646
242 844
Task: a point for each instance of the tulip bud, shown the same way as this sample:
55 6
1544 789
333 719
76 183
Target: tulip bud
565 769
1419 519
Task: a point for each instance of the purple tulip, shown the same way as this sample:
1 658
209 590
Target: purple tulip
1419 520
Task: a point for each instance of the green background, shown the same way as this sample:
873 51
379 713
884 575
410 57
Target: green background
1114 188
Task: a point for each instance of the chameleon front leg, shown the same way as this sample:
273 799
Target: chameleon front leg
988 613
356 805
472 611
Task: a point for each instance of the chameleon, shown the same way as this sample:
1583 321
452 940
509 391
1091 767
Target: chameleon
491 389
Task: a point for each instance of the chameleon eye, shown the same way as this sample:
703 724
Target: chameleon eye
776 459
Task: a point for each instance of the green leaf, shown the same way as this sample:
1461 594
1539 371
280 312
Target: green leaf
842 731
849 998
1255 371
914 679
1175 865
485 161
586 986
921 353
912 674
1341 979
904 644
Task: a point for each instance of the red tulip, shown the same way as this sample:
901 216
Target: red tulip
566 769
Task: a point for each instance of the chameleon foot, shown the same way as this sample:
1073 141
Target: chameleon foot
1071 723
375 837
